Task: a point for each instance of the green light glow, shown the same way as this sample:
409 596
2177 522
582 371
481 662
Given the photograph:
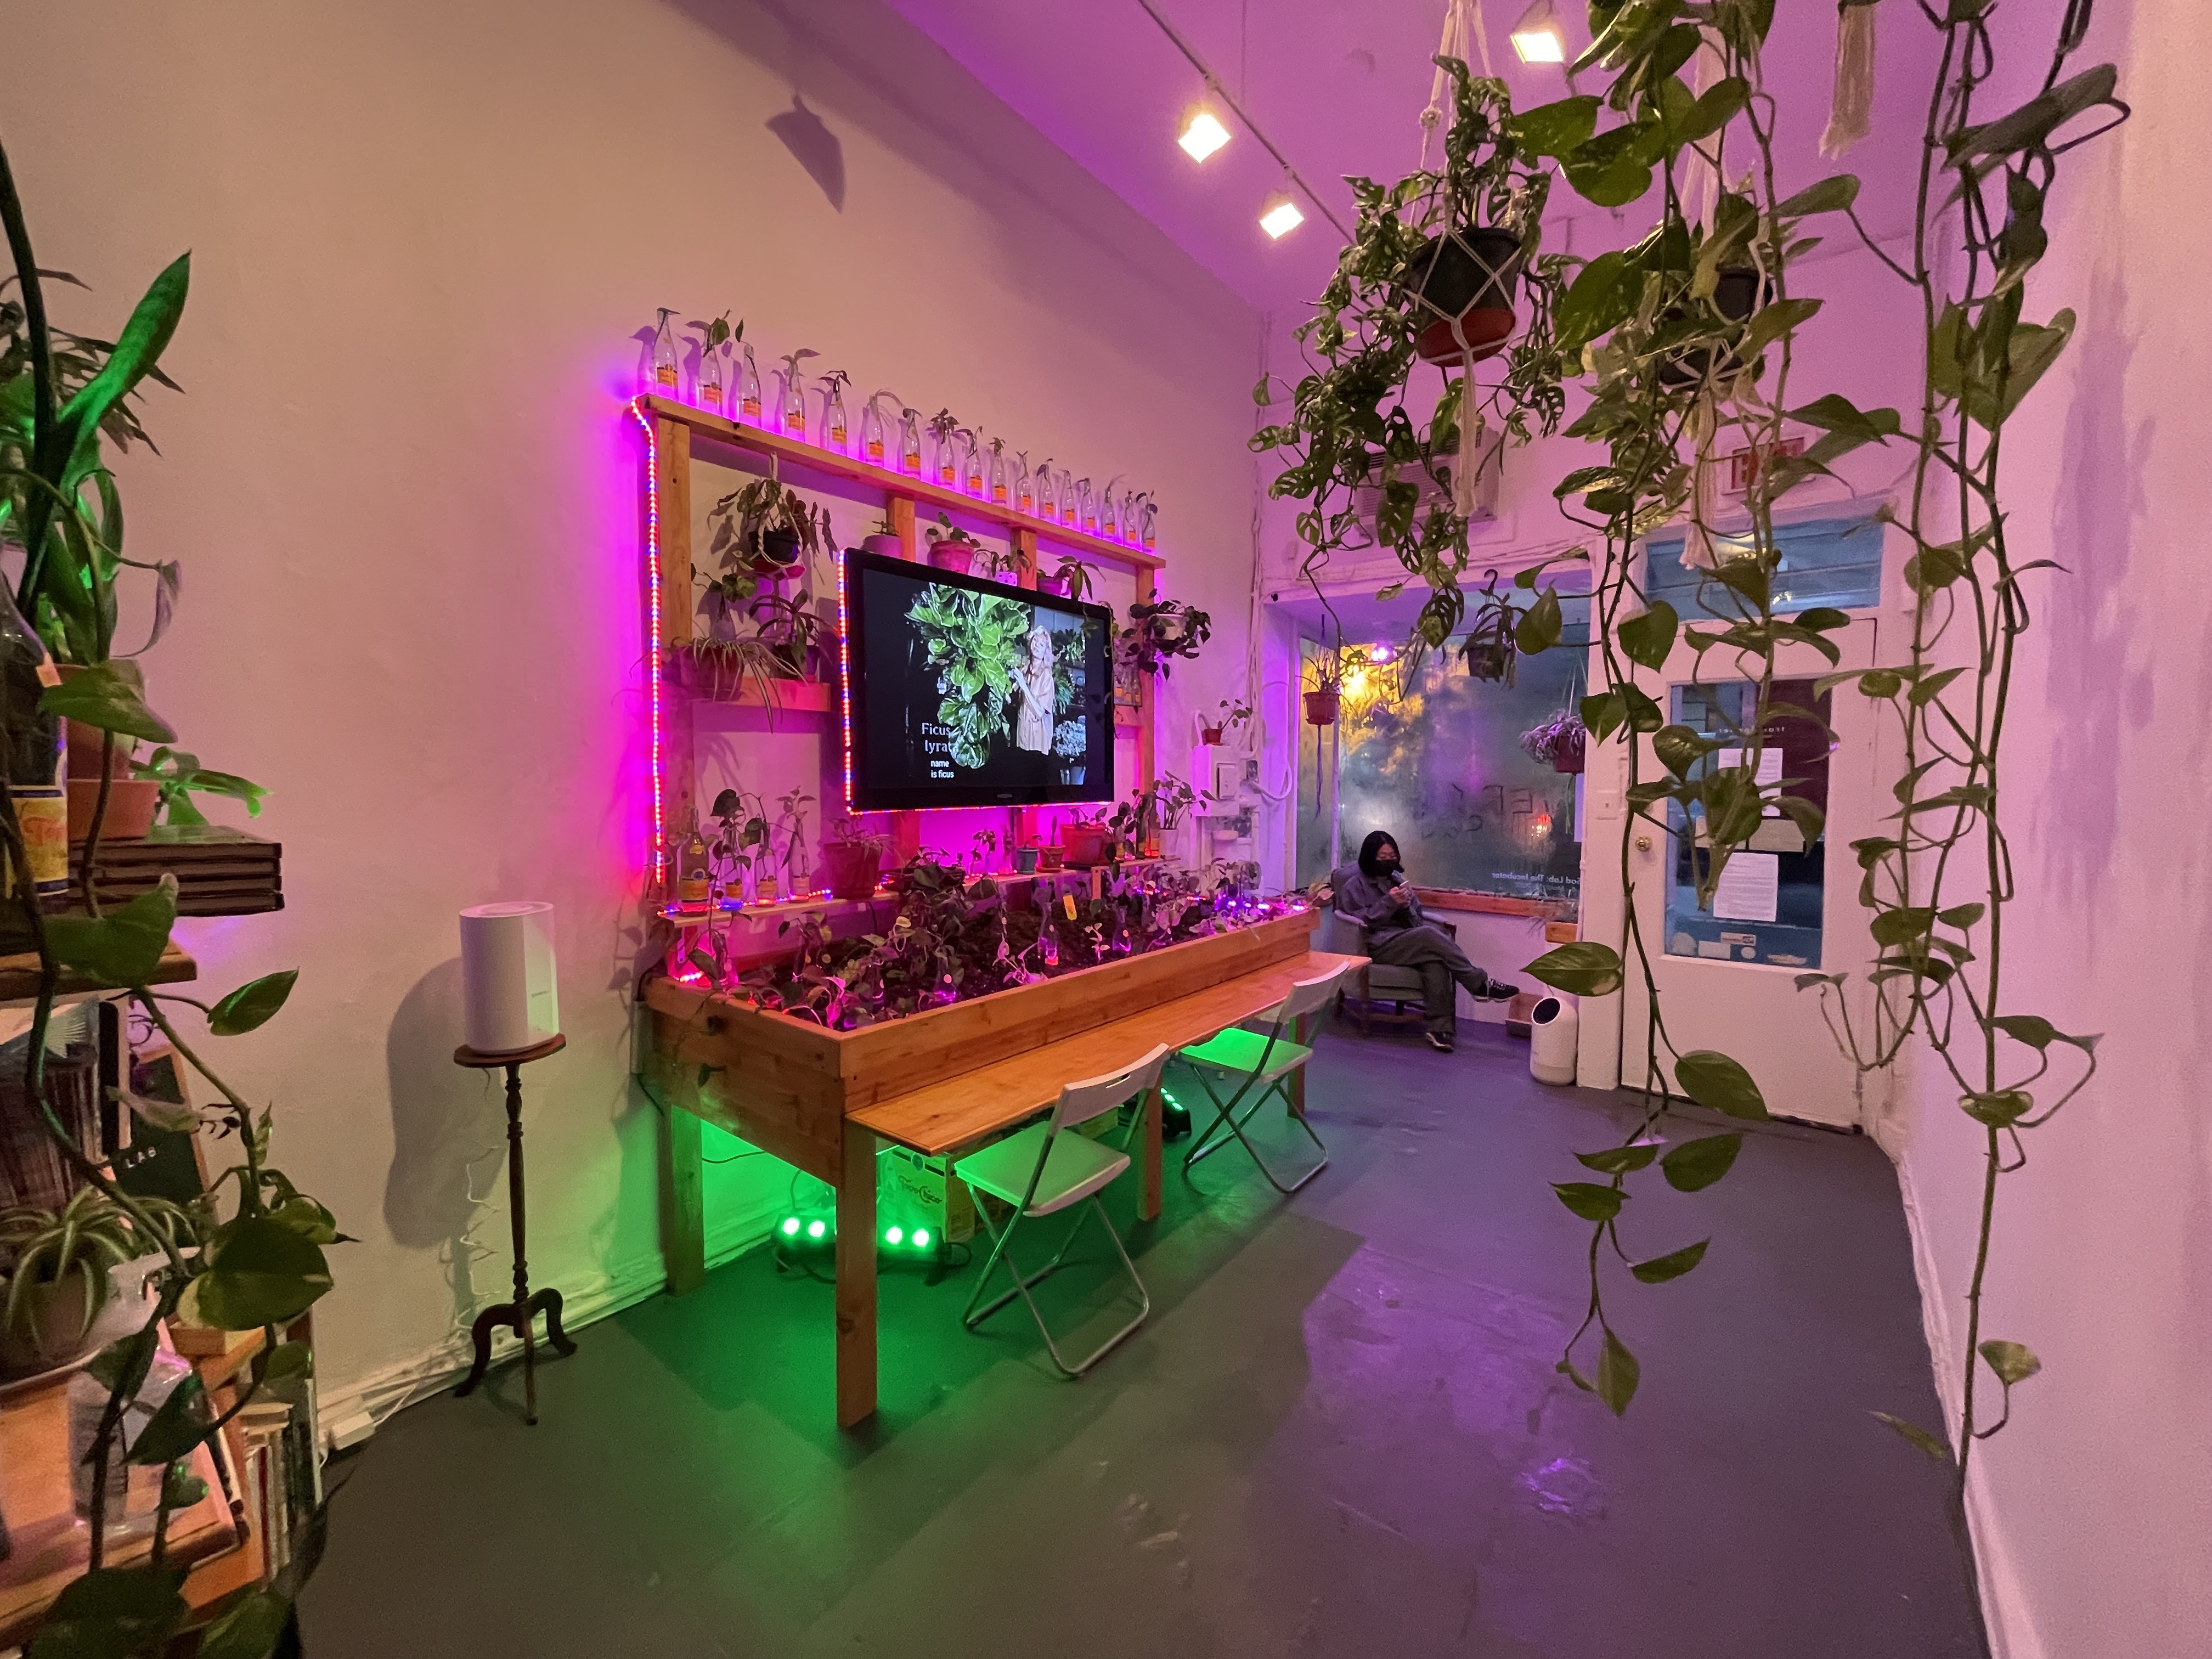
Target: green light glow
790 1226
892 1235
816 1229
922 1238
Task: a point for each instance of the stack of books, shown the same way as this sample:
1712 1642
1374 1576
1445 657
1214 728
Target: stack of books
220 872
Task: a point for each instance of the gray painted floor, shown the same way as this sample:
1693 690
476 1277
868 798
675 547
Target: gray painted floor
1340 1433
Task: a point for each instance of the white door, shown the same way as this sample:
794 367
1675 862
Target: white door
1726 978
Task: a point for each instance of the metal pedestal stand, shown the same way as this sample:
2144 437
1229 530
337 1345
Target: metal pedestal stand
519 1315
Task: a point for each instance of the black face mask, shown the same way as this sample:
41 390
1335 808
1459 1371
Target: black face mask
1391 867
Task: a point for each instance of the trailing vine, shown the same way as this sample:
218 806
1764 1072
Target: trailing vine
1681 343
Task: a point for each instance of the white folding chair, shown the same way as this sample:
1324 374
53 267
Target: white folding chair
1043 1169
1264 1067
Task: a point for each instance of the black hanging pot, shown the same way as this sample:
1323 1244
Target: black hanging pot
780 546
1465 287
1738 291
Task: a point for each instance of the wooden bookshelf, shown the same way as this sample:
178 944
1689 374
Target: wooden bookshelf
18 977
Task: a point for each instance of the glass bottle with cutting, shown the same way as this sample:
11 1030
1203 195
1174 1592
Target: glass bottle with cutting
910 442
836 426
746 389
792 406
660 374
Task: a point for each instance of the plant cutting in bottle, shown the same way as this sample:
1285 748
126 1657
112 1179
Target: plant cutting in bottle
661 376
877 420
998 491
972 457
910 442
836 434
1024 487
793 408
748 387
713 336
945 467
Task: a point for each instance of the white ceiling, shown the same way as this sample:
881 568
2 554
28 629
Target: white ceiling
1339 85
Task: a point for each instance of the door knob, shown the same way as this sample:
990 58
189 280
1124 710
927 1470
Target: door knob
1644 843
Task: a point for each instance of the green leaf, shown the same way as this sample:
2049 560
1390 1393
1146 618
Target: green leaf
1611 169
1806 815
1918 1436
2011 1361
289 1359
1539 627
1590 1200
2034 1030
111 697
1770 323
179 1424
137 349
1679 748
124 947
1998 1108
113 1613
1556 128
1618 1374
1647 639
1696 1164
1723 101
1583 968
1616 1160
1836 413
1604 713
181 1489
1673 1264
1929 686
261 1271
1832 194
1719 1084
1600 299
253 1004
1644 713
248 1629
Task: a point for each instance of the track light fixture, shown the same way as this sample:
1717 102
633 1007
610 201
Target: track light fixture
1203 132
1279 215
1538 37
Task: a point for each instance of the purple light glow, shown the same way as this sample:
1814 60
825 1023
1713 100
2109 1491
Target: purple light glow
652 635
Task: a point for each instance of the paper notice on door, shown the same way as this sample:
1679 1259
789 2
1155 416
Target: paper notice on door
1750 887
1770 771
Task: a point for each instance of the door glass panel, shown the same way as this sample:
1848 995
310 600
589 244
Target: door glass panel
1826 561
1767 908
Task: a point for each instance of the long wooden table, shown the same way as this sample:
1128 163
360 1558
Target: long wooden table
953 1112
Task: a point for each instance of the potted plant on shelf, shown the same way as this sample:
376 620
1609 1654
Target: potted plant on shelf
1152 811
789 627
768 526
951 547
1232 715
63 1269
1025 860
1050 857
1071 579
1083 838
798 878
852 858
884 540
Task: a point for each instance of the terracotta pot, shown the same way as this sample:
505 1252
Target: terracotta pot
852 867
1209 734
132 804
1321 707
1084 844
890 546
952 555
1049 858
1052 585
84 741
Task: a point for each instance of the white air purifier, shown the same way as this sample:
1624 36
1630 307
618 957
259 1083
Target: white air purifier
510 1000
1552 1024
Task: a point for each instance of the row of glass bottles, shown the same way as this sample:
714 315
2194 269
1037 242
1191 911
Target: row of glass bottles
952 456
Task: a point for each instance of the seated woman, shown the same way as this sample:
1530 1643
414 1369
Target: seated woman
1376 894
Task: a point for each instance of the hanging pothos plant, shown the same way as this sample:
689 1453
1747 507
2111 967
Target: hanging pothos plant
1684 340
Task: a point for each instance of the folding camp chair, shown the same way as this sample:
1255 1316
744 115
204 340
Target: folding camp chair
1264 1066
1042 1170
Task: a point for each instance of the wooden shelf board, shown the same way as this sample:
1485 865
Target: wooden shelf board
18 977
898 483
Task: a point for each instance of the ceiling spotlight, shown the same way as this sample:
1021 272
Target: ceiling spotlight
1203 132
1538 37
1279 215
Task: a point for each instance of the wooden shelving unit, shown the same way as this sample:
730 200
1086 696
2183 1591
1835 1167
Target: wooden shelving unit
666 514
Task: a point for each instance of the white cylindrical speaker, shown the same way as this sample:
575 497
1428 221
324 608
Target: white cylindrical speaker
1551 1026
509 1000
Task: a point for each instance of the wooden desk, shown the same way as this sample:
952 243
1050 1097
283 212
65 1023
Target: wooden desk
945 1112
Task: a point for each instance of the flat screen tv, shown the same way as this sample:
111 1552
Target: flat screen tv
963 692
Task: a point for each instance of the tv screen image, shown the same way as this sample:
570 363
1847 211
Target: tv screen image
965 692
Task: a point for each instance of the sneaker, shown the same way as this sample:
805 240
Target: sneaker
1499 992
1438 1042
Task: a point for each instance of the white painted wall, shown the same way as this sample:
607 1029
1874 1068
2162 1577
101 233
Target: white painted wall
405 494
2092 1512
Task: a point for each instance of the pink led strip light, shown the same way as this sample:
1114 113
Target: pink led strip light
652 635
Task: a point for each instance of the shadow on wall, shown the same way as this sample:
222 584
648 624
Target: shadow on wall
816 148
448 1131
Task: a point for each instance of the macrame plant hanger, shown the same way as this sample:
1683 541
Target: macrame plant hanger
1463 20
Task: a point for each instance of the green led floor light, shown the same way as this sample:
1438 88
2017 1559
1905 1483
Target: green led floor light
894 1234
791 1226
816 1229
922 1238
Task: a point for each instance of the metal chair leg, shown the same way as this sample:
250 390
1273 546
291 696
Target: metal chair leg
1228 1117
1022 1282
